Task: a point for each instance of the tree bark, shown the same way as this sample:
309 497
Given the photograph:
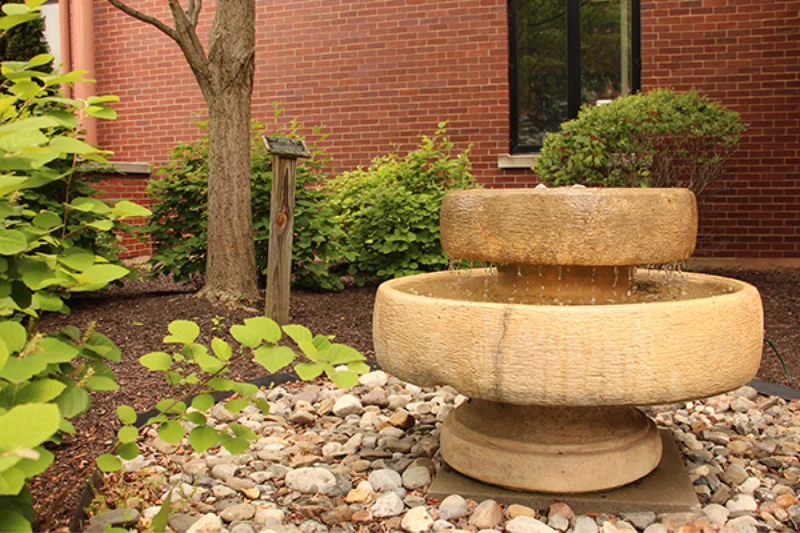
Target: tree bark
230 257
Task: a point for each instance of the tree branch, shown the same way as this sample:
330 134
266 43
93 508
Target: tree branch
125 8
195 6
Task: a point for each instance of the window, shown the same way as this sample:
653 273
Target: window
566 53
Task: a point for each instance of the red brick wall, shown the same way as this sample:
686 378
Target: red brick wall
378 73
129 187
745 53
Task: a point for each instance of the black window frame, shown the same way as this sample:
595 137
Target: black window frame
573 65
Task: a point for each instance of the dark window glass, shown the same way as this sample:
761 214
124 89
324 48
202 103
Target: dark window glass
566 53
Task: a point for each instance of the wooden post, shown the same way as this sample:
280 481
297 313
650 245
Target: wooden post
281 224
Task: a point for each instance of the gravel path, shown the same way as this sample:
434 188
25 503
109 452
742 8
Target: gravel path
334 461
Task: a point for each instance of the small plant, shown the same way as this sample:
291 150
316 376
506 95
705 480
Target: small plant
658 139
390 211
177 227
204 369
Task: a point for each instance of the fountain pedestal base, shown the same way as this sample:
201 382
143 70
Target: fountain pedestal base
550 449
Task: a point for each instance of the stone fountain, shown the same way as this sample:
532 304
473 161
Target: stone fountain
557 345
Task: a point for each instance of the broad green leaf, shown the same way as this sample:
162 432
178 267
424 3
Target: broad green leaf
35 466
359 367
54 350
101 383
171 432
234 445
9 461
234 406
101 111
12 241
104 347
109 463
342 378
126 414
171 406
159 361
243 432
25 89
90 205
21 140
104 274
221 384
202 402
77 258
310 351
308 371
102 99
70 145
28 425
125 209
46 220
4 353
206 362
341 354
66 426
184 330
8 22
102 225
202 438
246 336
18 370
268 329
32 123
262 405
39 60
298 333
9 184
14 335
245 389
321 342
127 434
74 402
196 418
49 302
221 348
128 451
273 358
11 481
39 391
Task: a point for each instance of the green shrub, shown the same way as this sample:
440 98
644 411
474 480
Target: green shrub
658 139
45 378
390 211
178 225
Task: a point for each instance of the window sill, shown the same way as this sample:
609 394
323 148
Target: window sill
118 167
517 160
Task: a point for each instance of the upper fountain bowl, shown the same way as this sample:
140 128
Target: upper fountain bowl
570 226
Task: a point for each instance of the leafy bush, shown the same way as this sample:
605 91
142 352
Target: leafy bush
390 211
44 378
658 139
178 225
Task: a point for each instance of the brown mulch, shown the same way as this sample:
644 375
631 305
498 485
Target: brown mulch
136 318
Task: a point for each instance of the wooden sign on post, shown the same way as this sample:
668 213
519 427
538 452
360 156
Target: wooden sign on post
281 224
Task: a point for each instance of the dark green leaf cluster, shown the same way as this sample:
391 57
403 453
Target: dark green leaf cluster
178 225
659 139
390 211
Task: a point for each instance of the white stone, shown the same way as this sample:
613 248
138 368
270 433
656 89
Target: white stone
655 528
387 505
311 480
439 525
486 515
641 519
526 524
417 520
749 485
558 522
209 523
385 480
741 504
452 507
584 524
743 524
347 405
416 477
716 514
377 378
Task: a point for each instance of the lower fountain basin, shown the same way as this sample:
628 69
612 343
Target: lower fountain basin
570 355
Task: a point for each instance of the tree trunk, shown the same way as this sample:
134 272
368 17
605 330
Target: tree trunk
230 260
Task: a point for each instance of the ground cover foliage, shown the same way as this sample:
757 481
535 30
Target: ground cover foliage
373 224
661 138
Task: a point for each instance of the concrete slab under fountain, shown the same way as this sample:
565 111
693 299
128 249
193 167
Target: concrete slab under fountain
560 344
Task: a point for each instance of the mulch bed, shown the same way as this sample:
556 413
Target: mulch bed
136 318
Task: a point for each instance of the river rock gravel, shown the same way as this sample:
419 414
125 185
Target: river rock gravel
350 465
